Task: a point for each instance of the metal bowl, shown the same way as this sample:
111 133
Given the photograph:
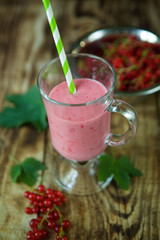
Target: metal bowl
142 34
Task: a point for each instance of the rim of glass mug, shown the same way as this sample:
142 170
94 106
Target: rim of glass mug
77 55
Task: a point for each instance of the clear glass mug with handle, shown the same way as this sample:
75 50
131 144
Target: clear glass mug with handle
81 132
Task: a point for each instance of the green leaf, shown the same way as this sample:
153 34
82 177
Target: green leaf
15 172
122 178
33 163
28 177
124 163
121 169
27 108
27 171
105 167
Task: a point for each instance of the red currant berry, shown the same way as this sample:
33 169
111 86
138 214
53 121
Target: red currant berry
63 199
32 196
55 192
51 224
35 209
30 235
41 204
36 203
44 233
58 204
28 210
31 202
41 188
48 209
51 196
64 238
50 217
39 218
48 191
43 210
55 215
40 198
26 194
48 203
56 200
57 228
59 194
34 223
38 234
65 224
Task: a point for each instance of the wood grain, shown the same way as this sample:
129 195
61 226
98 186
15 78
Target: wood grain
25 46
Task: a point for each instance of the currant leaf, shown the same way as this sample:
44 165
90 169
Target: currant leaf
15 172
121 169
105 167
27 108
122 178
27 171
124 163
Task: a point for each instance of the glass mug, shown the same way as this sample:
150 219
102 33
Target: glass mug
81 132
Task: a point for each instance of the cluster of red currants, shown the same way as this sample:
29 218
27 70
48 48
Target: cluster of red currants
45 203
137 63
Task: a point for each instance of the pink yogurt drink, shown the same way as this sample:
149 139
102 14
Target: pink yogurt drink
78 132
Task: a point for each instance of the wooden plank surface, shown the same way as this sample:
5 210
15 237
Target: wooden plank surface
25 45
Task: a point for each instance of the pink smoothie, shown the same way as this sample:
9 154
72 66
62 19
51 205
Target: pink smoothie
78 132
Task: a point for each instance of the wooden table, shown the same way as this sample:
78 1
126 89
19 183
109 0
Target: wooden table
26 45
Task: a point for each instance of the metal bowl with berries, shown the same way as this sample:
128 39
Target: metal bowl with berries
134 53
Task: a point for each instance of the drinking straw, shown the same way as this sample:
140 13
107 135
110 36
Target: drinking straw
59 46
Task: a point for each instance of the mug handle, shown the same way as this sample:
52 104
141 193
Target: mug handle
126 110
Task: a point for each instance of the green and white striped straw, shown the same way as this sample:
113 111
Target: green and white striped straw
59 46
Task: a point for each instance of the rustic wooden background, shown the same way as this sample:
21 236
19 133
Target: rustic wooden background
25 45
